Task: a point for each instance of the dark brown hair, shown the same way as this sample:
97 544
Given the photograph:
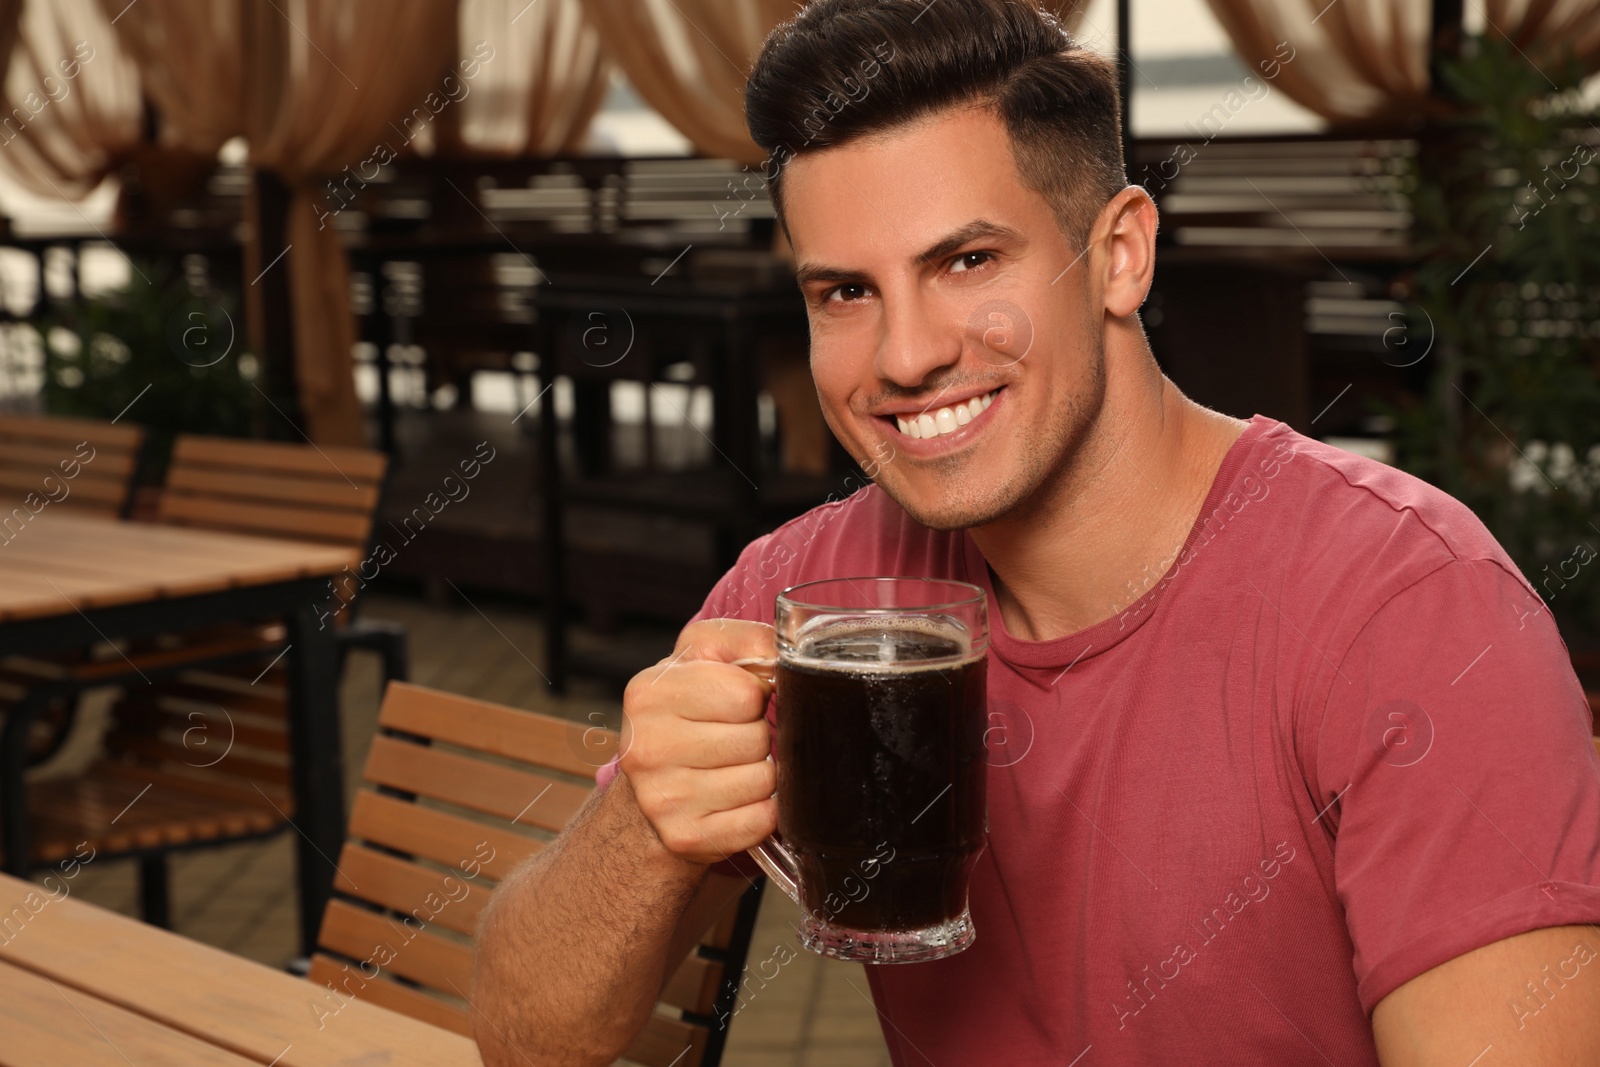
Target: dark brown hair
844 69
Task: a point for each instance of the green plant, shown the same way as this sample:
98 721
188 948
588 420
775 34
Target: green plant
1505 194
159 352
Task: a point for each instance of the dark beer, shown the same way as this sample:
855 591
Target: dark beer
881 771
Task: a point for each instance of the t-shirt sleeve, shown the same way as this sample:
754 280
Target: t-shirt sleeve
1457 741
737 595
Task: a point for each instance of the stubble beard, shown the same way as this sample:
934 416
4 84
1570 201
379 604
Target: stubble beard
1043 471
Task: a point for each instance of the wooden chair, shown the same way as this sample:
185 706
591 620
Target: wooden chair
449 788
302 492
185 697
52 465
196 760
89 464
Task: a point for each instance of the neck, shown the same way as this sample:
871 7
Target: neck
1107 528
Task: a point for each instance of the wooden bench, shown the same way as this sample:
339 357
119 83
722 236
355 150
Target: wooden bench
456 792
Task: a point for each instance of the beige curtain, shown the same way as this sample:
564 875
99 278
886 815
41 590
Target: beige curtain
543 85
72 111
1359 60
688 59
1349 60
189 58
325 82
1544 27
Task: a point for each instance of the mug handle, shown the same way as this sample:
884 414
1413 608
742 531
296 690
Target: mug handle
779 864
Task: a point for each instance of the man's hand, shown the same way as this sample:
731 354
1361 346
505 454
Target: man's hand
695 742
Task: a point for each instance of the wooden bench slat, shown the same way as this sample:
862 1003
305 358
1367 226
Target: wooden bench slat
721 933
304 523
203 736
435 835
330 973
396 947
47 457
336 494
236 766
91 508
335 462
693 986
102 487
561 744
530 799
150 809
663 1041
447 898
103 433
222 788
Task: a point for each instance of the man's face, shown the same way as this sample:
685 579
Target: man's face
955 342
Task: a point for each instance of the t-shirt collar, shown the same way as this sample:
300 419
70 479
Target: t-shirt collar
1063 653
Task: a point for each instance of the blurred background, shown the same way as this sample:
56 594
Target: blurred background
535 235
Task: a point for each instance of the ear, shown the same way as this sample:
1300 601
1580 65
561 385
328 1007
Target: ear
1125 240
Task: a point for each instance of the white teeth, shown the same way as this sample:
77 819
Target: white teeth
945 420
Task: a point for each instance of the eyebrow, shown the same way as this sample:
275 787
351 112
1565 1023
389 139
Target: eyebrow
976 230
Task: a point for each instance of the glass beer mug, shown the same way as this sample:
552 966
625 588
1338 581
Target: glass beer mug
881 769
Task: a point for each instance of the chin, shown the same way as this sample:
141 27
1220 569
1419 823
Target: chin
962 508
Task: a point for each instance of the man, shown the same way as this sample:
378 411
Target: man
1296 770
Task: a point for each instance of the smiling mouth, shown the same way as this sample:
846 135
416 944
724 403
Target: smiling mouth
945 420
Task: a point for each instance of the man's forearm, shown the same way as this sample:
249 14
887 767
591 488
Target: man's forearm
572 950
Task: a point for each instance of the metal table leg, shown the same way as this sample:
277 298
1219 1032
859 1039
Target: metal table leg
318 767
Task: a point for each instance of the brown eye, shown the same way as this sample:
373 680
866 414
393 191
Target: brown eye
967 261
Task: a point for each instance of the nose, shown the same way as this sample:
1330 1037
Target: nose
918 339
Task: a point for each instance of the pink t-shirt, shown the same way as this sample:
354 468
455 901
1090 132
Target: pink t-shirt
1339 742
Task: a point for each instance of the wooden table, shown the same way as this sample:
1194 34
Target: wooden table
69 581
84 987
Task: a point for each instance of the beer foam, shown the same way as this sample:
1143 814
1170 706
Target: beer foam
836 628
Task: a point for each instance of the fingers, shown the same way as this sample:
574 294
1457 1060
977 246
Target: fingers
695 742
692 793
709 815
725 640
706 691
656 747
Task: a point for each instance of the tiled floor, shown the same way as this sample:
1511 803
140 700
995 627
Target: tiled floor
241 898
